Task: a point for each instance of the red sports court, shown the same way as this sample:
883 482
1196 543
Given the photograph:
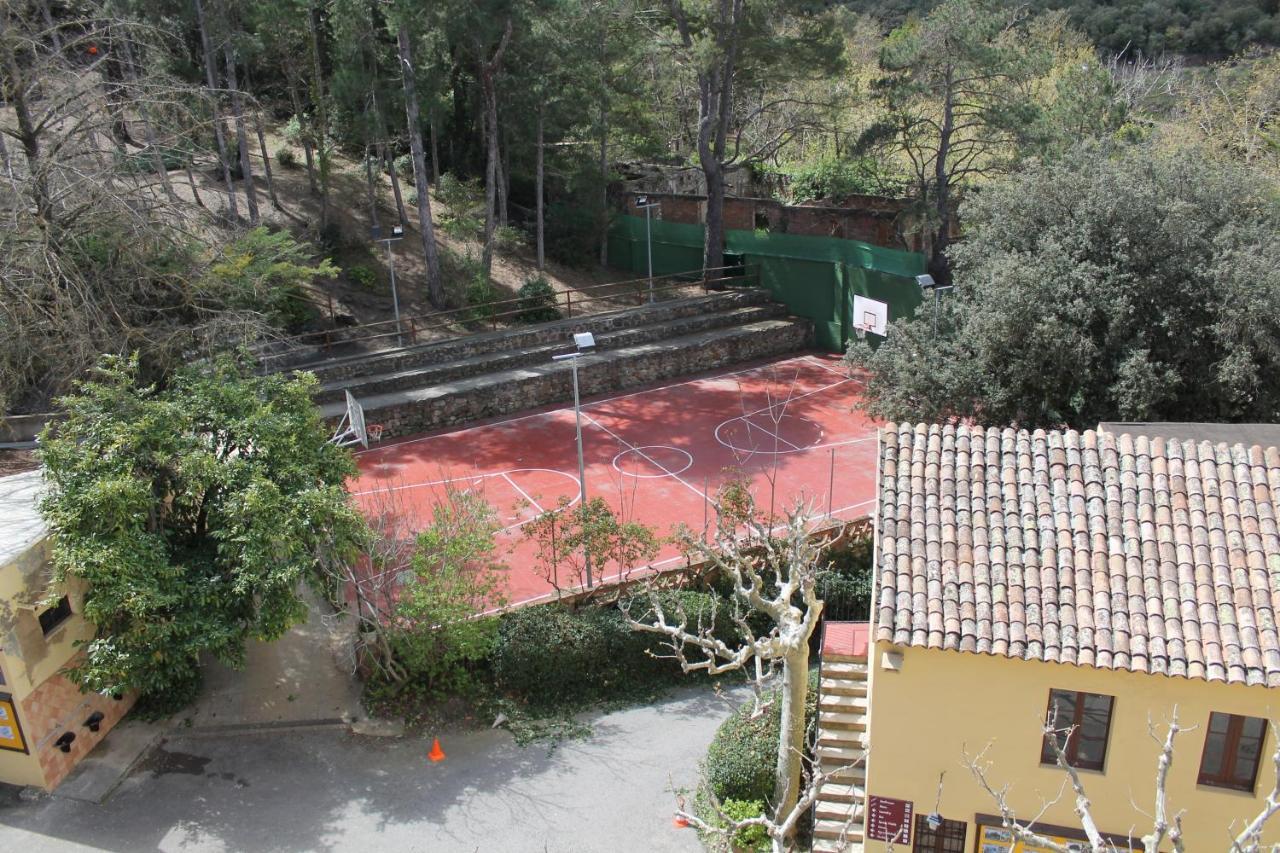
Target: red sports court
657 455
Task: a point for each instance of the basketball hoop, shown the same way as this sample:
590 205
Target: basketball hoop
375 432
861 331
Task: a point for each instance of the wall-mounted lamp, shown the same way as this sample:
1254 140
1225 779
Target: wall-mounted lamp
64 741
94 721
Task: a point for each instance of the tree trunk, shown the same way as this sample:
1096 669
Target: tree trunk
219 134
373 194
939 266
490 172
538 202
148 129
27 133
795 687
195 191
435 150
242 137
54 38
321 124
604 173
5 159
426 228
306 139
395 184
493 168
504 181
266 161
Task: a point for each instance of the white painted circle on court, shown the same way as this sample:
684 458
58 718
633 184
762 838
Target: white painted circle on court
648 455
807 434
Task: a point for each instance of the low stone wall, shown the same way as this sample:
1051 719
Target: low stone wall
544 333
599 373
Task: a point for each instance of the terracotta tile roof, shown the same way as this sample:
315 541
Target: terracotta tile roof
1103 550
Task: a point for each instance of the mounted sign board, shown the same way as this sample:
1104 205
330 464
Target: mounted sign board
871 315
889 820
10 730
997 839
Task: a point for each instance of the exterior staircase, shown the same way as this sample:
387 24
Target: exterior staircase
842 738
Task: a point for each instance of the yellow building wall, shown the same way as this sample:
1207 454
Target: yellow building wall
45 702
940 703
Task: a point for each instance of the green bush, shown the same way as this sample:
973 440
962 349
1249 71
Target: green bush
537 301
548 655
744 753
752 837
480 295
286 158
845 588
832 179
403 166
363 276
507 238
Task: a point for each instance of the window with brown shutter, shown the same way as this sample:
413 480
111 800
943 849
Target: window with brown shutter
1082 722
1232 747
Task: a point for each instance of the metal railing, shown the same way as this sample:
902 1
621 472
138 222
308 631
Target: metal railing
407 330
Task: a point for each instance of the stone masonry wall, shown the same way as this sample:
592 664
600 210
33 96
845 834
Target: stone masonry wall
598 374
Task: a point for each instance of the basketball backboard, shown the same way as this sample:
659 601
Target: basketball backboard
870 315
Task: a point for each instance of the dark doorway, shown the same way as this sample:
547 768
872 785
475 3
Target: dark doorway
947 838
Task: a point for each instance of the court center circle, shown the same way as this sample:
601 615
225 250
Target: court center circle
760 433
652 461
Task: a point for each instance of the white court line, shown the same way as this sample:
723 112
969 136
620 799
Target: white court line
523 493
771 434
652 461
817 362
601 402
475 479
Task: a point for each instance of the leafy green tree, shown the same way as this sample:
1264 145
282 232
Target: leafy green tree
574 541
1125 287
958 104
265 272
193 512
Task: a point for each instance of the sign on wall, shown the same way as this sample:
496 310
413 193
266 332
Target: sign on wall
10 730
889 820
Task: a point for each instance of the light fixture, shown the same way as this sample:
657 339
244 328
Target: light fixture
94 721
64 741
584 340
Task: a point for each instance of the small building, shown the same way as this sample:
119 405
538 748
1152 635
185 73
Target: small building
47 724
1101 579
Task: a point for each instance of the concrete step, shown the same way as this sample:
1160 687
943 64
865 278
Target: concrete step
837 810
834 829
837 657
827 845
426 375
522 388
328 369
842 721
842 792
856 671
838 754
843 687
845 704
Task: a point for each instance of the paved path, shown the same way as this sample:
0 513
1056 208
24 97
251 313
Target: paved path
328 790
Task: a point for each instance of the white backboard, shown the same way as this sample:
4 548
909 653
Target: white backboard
871 314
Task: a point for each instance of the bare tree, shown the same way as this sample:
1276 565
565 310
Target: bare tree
1166 826
426 228
774 571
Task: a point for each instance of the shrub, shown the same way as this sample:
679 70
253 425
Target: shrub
835 179
403 165
744 753
751 837
537 301
846 587
411 197
286 158
548 655
508 237
480 294
363 276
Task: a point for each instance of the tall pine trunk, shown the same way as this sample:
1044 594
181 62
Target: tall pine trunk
373 193
435 149
538 203
242 138
321 124
493 167
395 184
306 138
219 134
266 161
426 228
939 266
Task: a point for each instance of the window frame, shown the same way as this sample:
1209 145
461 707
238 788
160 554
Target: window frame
1071 747
62 604
1230 753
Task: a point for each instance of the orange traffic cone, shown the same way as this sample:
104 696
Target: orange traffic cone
436 753
680 821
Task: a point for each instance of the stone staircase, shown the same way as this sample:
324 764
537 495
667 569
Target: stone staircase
842 741
445 383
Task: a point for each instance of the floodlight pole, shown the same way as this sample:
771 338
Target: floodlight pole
642 201
582 468
397 233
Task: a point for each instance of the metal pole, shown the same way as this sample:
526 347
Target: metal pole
395 297
648 238
935 313
582 471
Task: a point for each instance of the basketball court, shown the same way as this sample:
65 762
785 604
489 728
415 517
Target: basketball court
657 456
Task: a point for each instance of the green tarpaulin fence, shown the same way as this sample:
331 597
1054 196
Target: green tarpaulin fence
815 277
